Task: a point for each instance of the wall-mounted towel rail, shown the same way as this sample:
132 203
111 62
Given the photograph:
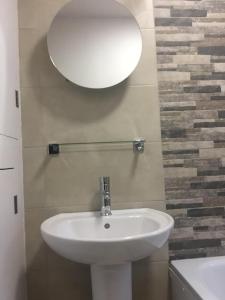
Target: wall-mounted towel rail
138 145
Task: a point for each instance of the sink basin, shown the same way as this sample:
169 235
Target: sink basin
127 235
108 243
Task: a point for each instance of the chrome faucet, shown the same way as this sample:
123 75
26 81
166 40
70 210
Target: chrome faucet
105 196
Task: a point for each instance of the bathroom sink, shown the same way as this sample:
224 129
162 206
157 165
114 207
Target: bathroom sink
109 244
90 238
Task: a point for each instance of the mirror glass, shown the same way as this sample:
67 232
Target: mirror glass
94 43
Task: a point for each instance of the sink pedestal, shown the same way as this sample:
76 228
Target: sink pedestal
111 282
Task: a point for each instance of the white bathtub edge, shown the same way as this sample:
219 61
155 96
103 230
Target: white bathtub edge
190 270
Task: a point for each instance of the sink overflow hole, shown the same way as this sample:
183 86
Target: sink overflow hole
107 226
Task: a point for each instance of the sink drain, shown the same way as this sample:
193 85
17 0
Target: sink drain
107 226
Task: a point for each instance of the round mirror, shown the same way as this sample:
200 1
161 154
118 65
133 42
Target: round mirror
94 43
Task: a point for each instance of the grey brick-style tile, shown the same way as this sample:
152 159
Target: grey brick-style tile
191 66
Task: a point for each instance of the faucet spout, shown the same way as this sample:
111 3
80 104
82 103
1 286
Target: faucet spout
105 196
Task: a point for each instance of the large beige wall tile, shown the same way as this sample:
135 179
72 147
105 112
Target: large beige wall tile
68 280
28 14
37 256
34 176
35 64
47 11
56 261
33 219
142 10
146 71
29 42
155 204
69 284
39 14
73 178
160 255
37 285
75 114
36 68
32 117
150 280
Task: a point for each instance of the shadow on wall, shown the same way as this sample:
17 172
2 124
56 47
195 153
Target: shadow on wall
69 280
65 100
62 279
20 293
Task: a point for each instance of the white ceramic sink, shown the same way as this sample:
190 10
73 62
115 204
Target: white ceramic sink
108 243
85 237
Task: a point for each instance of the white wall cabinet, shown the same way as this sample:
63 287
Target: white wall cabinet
9 152
12 248
9 62
11 238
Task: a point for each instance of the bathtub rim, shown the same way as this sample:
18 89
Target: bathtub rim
184 270
174 274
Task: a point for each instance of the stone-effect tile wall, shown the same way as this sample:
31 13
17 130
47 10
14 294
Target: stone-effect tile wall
191 68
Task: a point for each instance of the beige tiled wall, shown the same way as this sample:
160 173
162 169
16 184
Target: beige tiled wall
54 110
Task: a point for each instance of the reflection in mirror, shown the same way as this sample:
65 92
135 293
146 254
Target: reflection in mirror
94 43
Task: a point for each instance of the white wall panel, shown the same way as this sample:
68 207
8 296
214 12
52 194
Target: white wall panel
9 80
11 239
9 152
12 248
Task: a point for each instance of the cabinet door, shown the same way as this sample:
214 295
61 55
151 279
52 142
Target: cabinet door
11 238
9 61
9 153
